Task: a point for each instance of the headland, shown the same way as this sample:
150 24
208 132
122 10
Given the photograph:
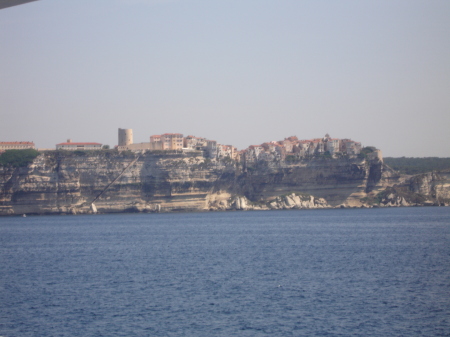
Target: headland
289 174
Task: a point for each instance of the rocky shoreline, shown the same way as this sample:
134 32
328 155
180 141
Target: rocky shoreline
249 208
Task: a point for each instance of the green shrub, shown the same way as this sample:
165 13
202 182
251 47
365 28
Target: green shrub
365 151
18 158
291 159
407 165
327 155
79 153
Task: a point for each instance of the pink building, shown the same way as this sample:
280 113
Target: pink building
167 141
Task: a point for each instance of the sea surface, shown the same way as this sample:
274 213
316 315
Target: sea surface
343 272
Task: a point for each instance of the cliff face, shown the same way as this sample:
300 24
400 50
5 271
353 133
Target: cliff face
69 184
427 189
57 183
338 180
436 185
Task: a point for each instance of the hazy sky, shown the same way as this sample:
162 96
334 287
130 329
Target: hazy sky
241 72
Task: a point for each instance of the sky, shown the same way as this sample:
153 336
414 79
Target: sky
241 72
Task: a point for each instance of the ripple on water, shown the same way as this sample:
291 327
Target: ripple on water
367 272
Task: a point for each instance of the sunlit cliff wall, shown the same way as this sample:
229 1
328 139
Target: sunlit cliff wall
61 183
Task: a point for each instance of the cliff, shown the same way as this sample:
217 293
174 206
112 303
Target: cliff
59 182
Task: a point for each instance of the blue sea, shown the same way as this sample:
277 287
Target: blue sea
343 272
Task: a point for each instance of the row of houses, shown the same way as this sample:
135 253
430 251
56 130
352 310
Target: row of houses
292 146
210 147
275 150
177 142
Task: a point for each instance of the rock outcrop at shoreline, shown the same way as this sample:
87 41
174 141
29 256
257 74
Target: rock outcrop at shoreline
292 201
59 182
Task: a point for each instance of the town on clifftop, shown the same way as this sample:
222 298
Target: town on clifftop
290 148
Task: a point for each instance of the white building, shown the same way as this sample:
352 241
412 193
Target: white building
71 146
16 146
351 147
333 145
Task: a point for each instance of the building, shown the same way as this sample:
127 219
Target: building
16 146
211 149
333 145
171 141
254 153
155 142
224 151
155 139
71 146
300 149
125 137
271 151
126 142
167 141
351 147
195 143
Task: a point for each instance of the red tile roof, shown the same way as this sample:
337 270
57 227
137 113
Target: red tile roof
72 143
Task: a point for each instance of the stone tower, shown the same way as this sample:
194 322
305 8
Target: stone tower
125 137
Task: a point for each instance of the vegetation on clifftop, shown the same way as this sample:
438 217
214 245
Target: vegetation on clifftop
365 151
18 158
406 165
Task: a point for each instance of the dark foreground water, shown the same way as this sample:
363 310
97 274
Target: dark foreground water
359 272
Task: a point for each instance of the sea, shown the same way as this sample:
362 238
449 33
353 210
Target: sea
334 272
